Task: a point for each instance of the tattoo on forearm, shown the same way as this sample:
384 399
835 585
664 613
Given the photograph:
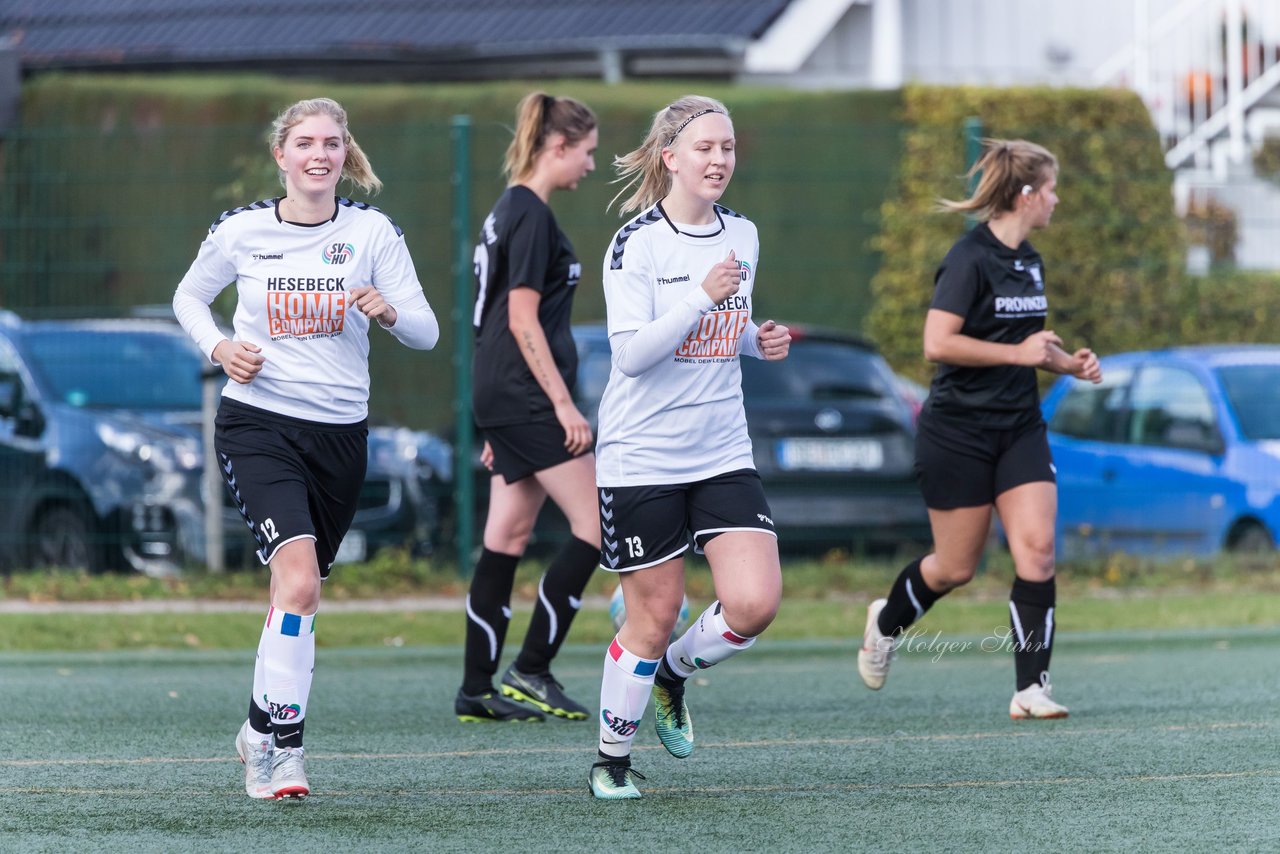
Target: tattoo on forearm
540 370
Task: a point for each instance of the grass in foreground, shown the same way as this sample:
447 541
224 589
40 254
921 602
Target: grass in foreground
962 614
1167 748
822 599
394 574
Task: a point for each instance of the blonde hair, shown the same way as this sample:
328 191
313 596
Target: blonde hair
1010 168
643 168
355 168
538 115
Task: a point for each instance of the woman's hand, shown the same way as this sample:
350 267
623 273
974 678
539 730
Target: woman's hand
240 360
486 456
774 341
370 303
577 432
1084 365
1037 350
724 279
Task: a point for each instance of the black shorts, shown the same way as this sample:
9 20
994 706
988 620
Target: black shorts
967 465
520 450
643 526
291 478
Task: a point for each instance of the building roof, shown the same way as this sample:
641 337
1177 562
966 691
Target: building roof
425 37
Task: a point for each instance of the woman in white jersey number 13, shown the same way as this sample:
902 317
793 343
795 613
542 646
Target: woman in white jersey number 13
673 456
313 274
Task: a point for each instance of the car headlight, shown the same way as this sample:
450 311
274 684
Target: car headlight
163 455
392 450
403 450
435 454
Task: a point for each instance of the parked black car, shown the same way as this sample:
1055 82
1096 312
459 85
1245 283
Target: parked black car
833 435
101 455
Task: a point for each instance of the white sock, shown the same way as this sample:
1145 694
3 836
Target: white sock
260 677
289 647
624 693
707 642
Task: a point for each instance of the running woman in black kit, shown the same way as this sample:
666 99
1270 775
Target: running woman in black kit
537 443
981 441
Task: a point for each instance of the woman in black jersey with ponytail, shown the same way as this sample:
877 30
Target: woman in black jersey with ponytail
981 441
537 443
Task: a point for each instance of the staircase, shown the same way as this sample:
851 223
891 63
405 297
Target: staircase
1201 66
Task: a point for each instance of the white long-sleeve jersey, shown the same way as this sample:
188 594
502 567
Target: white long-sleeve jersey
672 410
292 283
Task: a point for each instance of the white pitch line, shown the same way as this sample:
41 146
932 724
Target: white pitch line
1019 731
683 791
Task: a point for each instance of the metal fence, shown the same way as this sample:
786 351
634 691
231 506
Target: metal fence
103 222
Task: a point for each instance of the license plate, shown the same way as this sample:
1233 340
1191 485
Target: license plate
830 454
353 548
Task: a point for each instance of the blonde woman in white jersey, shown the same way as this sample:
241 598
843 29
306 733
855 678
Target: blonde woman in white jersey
673 457
313 274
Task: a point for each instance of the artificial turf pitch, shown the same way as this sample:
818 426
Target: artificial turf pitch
1171 745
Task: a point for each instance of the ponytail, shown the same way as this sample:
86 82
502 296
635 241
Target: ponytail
538 115
1009 168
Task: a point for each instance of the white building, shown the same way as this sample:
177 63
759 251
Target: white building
1212 113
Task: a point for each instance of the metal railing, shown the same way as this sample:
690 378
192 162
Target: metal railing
1200 67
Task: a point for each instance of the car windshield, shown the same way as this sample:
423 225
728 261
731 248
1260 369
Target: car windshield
817 370
1254 394
118 369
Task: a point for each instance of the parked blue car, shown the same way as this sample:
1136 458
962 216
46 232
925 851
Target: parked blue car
1176 452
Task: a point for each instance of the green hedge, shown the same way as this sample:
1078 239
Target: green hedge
1114 254
112 181
1228 306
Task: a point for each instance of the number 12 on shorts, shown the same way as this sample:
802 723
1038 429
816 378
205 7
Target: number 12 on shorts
269 531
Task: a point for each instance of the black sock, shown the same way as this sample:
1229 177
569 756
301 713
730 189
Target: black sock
1031 616
488 614
559 598
909 598
288 735
666 677
259 719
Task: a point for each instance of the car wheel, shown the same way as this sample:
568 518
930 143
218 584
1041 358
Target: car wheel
62 537
1250 538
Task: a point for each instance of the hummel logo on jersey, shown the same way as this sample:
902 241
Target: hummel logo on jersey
764 518
267 256
663 280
